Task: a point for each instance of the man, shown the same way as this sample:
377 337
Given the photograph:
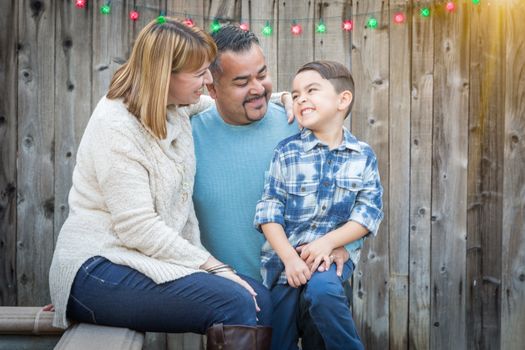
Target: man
234 144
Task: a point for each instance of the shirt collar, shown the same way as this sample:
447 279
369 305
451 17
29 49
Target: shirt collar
310 141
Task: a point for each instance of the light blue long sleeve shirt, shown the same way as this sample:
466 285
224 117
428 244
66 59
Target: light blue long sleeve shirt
231 163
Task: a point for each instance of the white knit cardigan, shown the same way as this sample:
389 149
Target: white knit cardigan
131 201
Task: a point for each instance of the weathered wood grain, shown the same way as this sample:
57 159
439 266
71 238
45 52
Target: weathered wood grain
485 177
72 97
421 116
399 175
8 151
293 50
370 123
513 228
449 180
36 127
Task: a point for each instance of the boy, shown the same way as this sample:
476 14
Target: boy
322 191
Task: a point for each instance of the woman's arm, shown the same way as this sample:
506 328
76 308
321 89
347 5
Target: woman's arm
125 186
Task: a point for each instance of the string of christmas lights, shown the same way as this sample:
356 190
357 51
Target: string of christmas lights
296 29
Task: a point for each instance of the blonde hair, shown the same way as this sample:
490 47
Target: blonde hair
162 47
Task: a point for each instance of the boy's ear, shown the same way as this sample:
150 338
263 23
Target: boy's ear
345 99
211 90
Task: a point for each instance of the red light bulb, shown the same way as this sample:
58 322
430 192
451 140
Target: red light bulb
189 22
399 18
297 29
244 26
450 6
134 15
348 25
80 4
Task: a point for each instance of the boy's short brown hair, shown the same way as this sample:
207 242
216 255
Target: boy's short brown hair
335 72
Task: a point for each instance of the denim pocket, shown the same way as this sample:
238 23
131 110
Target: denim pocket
79 311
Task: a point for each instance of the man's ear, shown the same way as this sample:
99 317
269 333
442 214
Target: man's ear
345 99
211 90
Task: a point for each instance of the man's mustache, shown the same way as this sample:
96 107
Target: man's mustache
251 98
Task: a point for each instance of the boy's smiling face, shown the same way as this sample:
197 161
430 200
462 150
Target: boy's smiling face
316 103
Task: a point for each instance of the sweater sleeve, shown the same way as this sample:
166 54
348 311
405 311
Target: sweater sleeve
124 182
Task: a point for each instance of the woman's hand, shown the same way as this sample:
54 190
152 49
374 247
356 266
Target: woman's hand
297 272
232 276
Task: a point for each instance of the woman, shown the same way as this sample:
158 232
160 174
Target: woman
129 253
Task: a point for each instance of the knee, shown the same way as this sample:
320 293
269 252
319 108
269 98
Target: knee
323 293
241 310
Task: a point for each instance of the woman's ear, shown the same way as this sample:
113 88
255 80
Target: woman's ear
345 99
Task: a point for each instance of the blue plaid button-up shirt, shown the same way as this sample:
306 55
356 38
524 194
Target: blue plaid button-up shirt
311 190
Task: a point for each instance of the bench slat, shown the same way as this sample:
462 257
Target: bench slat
85 336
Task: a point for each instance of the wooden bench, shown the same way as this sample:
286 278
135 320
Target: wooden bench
27 327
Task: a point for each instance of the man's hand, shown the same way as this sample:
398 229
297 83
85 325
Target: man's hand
316 252
339 256
287 101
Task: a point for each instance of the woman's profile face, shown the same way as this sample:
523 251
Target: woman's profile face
187 87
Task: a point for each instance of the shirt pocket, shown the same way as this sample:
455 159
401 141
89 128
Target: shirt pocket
347 189
301 201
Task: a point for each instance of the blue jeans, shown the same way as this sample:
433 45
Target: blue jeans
328 308
115 295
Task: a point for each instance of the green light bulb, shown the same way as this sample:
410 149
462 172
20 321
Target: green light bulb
105 9
425 12
215 26
372 23
267 30
321 28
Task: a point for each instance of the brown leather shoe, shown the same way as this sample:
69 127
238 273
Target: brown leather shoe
264 338
221 337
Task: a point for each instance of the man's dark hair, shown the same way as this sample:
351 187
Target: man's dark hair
231 38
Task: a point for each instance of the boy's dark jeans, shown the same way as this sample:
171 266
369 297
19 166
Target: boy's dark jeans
310 337
327 304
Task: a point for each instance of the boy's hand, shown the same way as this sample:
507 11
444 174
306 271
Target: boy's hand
297 272
316 252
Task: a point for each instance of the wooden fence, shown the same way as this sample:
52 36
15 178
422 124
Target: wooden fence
441 99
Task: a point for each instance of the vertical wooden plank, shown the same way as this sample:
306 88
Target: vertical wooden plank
257 13
513 240
225 11
112 39
449 179
36 108
293 50
399 173
335 43
72 97
370 123
420 184
8 150
485 176
182 8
